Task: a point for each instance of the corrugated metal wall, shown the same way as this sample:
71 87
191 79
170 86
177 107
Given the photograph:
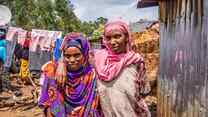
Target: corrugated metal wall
183 78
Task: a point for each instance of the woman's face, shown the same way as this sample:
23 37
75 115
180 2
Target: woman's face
74 58
116 41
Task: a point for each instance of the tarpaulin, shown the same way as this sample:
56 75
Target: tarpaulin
40 50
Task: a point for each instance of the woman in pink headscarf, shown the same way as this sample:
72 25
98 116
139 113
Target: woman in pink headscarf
120 73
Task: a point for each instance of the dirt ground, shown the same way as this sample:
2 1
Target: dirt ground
33 112
26 105
23 105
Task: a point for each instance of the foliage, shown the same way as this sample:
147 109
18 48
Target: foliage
98 32
49 15
43 14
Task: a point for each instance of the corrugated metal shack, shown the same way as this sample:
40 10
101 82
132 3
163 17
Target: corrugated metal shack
183 76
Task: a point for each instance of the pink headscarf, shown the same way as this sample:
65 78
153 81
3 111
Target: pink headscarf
118 25
108 64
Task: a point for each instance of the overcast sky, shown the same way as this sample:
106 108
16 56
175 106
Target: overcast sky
126 9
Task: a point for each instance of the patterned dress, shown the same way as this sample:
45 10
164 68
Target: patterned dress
78 98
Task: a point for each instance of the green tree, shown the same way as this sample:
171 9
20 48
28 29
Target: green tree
43 14
49 15
98 32
93 28
100 20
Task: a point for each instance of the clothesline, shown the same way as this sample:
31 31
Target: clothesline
42 43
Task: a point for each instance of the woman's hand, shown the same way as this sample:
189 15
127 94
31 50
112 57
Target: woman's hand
48 113
60 75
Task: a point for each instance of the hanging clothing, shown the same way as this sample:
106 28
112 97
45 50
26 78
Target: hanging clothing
25 53
40 48
24 69
11 40
21 52
57 51
3 50
22 37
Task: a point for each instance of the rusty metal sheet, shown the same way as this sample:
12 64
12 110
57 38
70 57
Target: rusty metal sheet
182 82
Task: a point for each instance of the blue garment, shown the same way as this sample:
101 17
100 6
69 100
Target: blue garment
57 51
2 43
3 50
